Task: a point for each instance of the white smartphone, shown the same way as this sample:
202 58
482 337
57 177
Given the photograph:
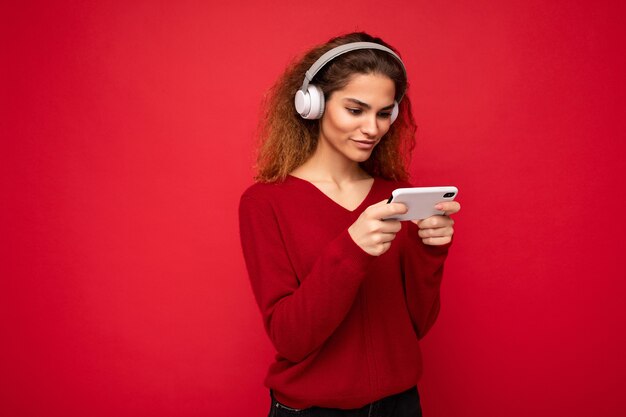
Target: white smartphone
421 201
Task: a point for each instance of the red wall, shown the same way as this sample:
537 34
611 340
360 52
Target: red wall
127 135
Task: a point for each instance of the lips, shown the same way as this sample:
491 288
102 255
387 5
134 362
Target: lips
364 144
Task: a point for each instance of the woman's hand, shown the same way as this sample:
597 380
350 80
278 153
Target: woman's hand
437 230
371 233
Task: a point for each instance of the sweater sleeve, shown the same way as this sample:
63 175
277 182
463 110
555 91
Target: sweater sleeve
423 270
299 313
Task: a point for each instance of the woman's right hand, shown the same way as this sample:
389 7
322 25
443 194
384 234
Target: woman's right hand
372 234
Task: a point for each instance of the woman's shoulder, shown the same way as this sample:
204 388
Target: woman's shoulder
268 190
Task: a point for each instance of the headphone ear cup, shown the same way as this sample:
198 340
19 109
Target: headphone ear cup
302 101
395 111
310 105
317 102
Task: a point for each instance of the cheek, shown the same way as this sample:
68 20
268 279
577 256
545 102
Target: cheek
341 121
384 126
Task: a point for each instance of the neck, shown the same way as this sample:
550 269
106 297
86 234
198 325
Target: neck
328 165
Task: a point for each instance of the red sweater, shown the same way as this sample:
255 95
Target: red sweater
345 324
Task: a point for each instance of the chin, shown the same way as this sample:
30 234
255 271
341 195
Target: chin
361 156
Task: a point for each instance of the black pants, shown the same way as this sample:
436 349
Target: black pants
405 404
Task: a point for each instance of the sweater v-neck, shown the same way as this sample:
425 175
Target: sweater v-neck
326 197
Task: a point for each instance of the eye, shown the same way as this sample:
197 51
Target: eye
354 111
384 115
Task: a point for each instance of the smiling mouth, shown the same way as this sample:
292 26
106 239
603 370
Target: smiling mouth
365 142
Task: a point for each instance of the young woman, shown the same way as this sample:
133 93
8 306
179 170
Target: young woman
344 295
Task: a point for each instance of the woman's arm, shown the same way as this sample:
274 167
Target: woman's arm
423 258
299 313
422 267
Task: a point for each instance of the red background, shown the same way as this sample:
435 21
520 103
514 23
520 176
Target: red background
127 136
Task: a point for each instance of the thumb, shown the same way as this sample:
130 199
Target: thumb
383 210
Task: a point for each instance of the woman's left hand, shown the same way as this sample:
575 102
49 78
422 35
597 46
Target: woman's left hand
437 230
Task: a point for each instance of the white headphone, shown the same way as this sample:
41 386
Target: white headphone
309 99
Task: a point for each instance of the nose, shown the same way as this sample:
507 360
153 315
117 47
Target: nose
370 126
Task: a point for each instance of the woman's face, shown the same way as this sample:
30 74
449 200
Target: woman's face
358 116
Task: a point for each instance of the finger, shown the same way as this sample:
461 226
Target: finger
437 241
381 211
439 232
390 226
434 222
448 207
387 237
384 226
385 247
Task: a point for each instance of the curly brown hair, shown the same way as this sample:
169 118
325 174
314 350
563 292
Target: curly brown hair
287 140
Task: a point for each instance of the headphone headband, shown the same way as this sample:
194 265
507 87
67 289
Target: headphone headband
309 99
340 50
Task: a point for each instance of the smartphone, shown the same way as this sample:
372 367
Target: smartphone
421 201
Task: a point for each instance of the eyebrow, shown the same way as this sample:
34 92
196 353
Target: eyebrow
367 106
